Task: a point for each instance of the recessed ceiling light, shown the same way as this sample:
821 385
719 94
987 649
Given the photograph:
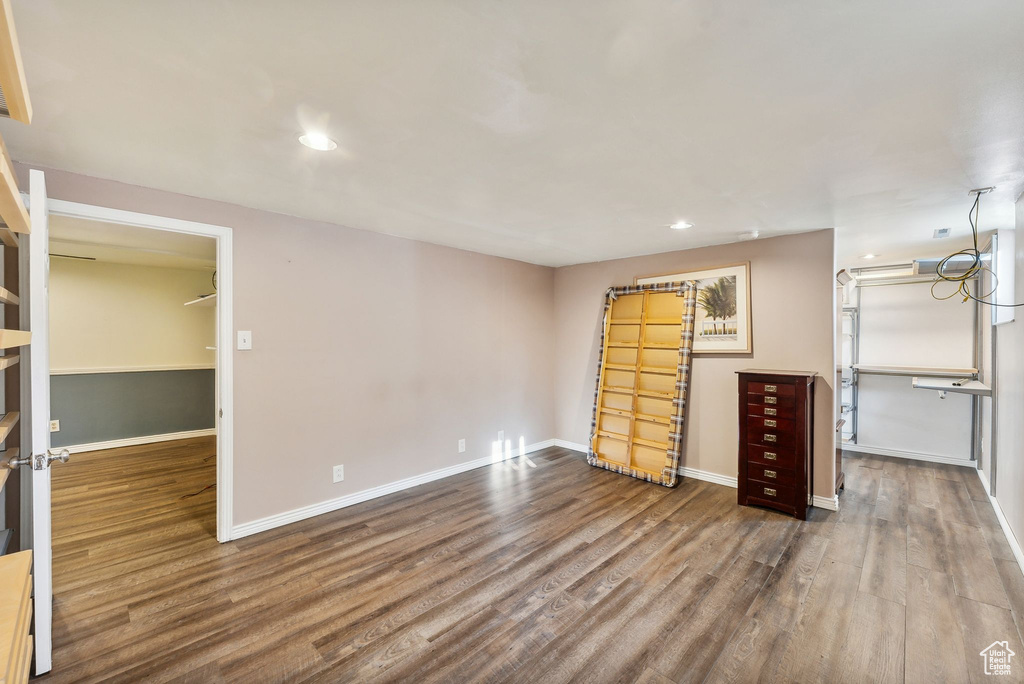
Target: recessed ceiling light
318 141
868 256
750 235
681 225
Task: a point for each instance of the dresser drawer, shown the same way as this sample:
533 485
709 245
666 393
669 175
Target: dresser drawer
771 491
771 411
772 473
777 389
771 456
771 400
771 424
770 437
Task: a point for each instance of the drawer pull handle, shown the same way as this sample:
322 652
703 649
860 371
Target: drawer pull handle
771 438
771 400
768 422
770 492
771 388
771 412
771 473
770 455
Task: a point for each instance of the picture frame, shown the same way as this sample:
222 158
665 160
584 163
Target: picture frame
724 323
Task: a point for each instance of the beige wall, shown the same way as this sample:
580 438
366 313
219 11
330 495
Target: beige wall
792 303
371 351
106 316
1009 402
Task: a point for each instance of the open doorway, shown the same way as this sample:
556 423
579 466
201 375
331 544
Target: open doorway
133 366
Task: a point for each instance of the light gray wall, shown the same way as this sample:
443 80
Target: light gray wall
792 304
100 407
371 351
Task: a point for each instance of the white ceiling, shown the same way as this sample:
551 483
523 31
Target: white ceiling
122 244
555 132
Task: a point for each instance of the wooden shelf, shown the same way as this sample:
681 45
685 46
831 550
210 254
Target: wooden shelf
9 360
7 424
8 297
14 338
12 209
205 300
15 616
12 73
5 458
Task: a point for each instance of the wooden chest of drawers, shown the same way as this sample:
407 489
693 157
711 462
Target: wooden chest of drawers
776 439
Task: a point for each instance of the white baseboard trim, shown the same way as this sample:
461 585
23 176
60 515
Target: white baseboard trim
297 514
708 476
137 441
829 503
1011 539
575 446
912 455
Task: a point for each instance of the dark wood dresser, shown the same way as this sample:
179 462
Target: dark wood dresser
776 439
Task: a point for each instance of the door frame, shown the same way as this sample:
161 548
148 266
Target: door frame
225 371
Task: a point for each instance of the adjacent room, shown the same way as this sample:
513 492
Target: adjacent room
664 342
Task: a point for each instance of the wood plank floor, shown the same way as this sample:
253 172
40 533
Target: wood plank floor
540 569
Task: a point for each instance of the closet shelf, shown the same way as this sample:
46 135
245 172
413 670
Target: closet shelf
205 300
14 338
910 371
9 360
8 297
7 424
946 385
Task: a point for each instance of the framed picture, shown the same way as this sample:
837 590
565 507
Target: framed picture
722 325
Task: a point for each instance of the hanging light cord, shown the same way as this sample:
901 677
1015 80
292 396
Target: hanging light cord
962 281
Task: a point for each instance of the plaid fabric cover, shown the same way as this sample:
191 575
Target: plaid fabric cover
669 474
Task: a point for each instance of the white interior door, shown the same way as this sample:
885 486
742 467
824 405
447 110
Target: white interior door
37 405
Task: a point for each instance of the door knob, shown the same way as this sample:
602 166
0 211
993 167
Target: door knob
63 455
43 461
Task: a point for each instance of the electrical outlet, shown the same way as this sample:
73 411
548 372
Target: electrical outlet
462 446
501 436
54 426
339 473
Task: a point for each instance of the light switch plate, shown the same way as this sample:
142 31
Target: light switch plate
54 426
244 340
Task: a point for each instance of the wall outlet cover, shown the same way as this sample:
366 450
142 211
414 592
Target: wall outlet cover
462 446
54 426
339 473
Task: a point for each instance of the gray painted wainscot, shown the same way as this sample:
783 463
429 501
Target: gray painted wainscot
102 407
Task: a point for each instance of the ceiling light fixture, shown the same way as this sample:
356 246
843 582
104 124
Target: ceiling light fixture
868 256
318 141
681 225
750 235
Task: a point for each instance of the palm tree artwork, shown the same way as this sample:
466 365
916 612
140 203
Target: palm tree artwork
718 300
